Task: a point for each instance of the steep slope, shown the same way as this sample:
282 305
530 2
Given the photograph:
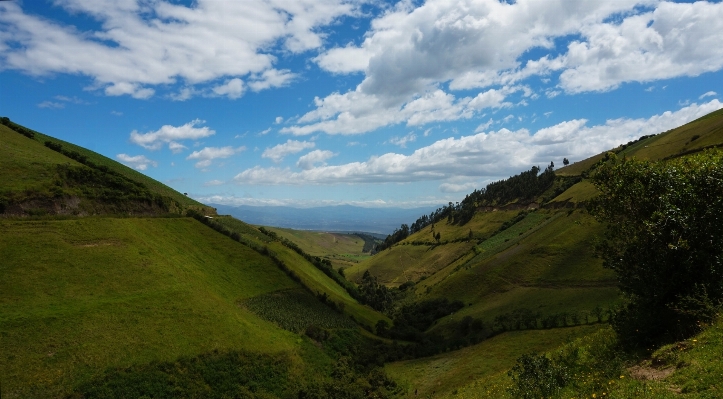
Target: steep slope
44 175
82 295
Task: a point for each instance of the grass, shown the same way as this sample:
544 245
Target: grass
295 310
311 277
557 252
29 165
82 295
404 263
687 369
343 250
577 194
443 374
694 136
26 163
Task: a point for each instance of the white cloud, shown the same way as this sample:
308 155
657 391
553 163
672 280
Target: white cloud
309 160
708 94
143 46
458 187
356 112
139 162
168 134
344 59
484 126
51 105
212 183
233 89
272 78
183 94
402 141
673 40
279 151
176 147
411 52
497 154
278 120
208 154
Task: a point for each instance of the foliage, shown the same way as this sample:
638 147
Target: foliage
536 376
664 240
14 126
296 311
347 382
234 374
399 234
586 366
412 320
524 188
369 242
374 294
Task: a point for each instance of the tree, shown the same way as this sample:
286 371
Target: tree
374 294
664 240
565 161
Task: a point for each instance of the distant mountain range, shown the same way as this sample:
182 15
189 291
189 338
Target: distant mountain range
346 218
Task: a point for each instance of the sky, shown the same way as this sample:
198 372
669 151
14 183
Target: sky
369 103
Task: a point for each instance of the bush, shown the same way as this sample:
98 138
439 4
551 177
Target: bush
664 240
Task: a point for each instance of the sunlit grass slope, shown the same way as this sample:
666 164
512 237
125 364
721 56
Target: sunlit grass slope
28 164
419 256
544 263
79 296
310 275
446 373
342 249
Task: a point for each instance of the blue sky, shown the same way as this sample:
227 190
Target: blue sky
369 103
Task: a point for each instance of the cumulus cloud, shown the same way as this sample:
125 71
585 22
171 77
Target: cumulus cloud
171 135
673 40
233 89
309 160
356 112
139 162
206 156
412 51
497 154
278 152
143 46
272 78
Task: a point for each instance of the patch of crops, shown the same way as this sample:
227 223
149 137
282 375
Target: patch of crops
296 310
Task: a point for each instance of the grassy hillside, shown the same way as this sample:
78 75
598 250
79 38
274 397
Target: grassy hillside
82 295
40 180
342 249
311 276
442 375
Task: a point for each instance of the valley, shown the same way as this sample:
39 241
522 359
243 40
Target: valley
115 285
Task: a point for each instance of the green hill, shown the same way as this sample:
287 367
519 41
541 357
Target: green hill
43 175
82 295
117 305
